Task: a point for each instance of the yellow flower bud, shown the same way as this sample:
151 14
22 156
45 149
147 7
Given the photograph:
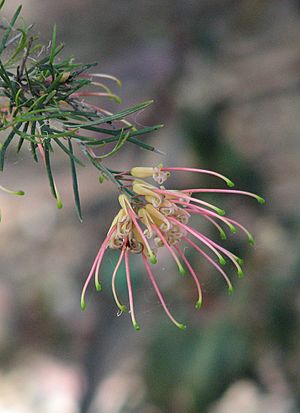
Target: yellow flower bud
65 77
142 172
146 190
124 202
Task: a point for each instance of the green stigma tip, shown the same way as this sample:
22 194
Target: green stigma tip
101 179
230 183
223 235
153 259
222 261
21 193
240 274
233 229
260 199
251 240
59 204
182 270
136 326
240 260
83 305
123 308
181 326
98 286
198 304
220 211
230 290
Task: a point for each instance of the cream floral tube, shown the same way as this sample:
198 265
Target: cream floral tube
153 217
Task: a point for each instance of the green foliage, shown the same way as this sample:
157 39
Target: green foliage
41 103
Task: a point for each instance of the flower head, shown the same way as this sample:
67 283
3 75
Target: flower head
152 217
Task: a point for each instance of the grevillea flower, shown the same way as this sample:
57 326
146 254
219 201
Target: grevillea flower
153 217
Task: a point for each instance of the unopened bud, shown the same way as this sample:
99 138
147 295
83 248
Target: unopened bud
142 172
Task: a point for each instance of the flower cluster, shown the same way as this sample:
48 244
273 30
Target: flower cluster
152 217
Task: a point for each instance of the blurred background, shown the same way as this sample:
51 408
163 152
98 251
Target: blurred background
224 75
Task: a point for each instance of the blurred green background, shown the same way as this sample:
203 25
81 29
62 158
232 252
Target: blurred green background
224 75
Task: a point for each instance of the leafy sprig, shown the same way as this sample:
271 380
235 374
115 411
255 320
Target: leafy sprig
44 102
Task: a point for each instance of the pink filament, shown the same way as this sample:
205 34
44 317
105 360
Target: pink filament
192 272
225 252
202 211
183 195
97 259
221 191
159 294
232 221
42 151
197 234
202 171
210 260
220 229
101 75
79 94
208 214
113 280
101 257
130 295
132 216
167 246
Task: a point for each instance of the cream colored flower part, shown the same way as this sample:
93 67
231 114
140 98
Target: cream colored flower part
152 218
156 173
